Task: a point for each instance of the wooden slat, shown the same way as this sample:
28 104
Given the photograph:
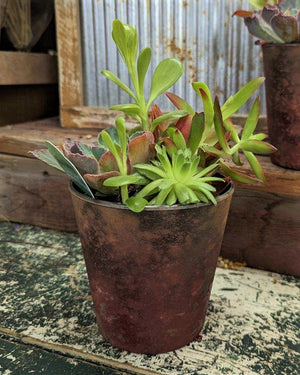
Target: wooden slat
69 52
263 230
32 192
23 68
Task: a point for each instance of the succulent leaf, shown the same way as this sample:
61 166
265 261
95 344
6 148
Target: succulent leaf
136 204
196 132
165 75
96 182
112 77
258 147
69 169
170 116
256 167
180 103
143 63
108 162
141 148
84 164
235 102
252 120
203 92
286 27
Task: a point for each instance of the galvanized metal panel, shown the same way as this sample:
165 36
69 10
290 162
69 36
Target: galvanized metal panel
213 46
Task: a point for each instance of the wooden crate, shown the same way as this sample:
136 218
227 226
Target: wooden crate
28 86
264 221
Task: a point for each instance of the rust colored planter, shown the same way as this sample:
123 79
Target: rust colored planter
282 71
150 273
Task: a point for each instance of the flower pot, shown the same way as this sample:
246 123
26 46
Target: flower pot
282 71
150 273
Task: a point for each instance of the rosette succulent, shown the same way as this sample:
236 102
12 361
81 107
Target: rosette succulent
273 22
180 157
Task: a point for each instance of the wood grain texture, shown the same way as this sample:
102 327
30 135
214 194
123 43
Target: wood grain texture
32 192
89 117
263 230
23 68
20 103
69 52
251 326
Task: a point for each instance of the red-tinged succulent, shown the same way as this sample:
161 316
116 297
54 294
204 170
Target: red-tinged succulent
275 23
212 136
89 166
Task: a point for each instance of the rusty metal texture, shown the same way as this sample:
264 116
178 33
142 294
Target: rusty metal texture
213 46
151 273
282 70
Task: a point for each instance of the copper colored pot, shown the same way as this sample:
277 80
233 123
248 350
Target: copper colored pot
282 71
150 273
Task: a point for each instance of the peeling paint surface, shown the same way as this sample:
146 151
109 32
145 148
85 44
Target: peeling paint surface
252 325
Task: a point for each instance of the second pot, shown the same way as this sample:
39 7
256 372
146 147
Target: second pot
282 71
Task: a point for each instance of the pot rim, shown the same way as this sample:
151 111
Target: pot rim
281 45
104 203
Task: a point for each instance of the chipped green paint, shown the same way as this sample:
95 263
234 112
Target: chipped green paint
252 325
20 359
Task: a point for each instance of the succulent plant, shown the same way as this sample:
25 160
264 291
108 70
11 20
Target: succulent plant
168 158
165 75
273 22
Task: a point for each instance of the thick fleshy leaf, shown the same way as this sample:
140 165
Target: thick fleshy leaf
69 169
236 175
180 103
285 27
219 126
85 149
261 29
132 110
177 138
196 131
96 181
108 162
257 147
184 125
231 128
119 181
112 77
143 65
254 164
258 4
136 204
170 116
46 157
243 13
112 132
125 37
203 92
252 120
141 149
268 12
169 145
165 75
121 129
84 164
235 102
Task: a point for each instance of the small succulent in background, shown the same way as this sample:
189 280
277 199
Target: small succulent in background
273 22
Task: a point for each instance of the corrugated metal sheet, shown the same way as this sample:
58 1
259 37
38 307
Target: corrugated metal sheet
213 46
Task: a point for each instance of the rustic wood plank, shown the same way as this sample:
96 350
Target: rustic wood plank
69 52
20 103
263 230
251 326
21 359
32 192
88 117
24 68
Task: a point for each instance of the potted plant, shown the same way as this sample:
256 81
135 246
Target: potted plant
152 202
277 25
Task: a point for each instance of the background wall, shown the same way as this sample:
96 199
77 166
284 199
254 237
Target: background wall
213 46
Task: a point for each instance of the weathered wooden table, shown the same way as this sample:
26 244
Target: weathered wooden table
47 324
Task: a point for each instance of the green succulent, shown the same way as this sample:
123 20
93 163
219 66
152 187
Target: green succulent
165 75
